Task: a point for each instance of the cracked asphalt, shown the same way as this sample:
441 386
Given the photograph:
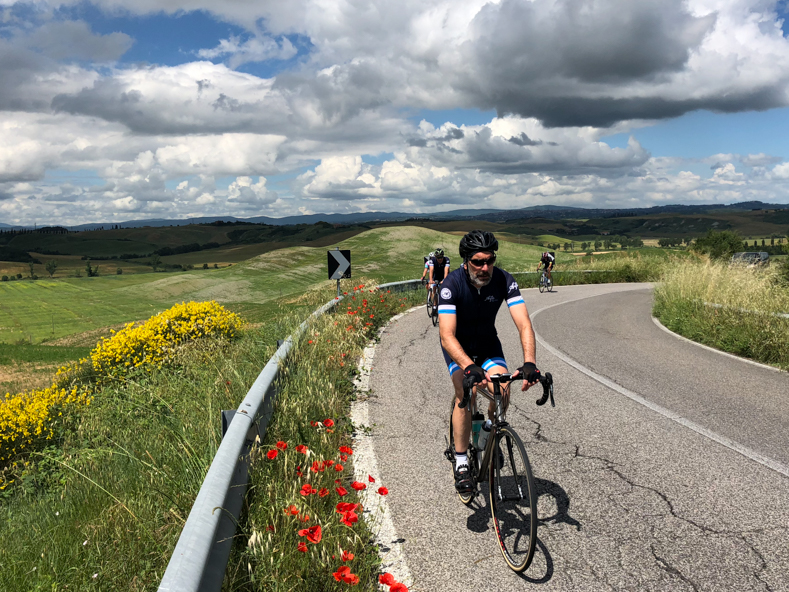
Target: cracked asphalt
629 499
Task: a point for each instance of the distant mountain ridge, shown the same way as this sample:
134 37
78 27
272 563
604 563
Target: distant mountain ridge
542 211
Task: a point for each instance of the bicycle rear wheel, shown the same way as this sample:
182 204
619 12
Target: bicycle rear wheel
466 498
513 500
549 281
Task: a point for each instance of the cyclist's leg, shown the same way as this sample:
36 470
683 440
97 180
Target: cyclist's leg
461 418
497 365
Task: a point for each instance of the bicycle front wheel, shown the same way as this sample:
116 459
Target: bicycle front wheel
513 499
429 302
542 285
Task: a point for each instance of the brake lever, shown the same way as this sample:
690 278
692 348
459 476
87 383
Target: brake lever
547 390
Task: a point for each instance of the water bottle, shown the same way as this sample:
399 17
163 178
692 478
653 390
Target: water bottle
476 425
484 433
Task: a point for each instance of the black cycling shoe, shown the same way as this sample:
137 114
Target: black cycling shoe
463 482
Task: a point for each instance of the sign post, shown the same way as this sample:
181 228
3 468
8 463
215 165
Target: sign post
339 265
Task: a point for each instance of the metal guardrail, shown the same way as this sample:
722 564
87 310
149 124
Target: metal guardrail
199 560
566 271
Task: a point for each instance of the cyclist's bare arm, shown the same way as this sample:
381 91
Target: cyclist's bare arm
431 274
520 316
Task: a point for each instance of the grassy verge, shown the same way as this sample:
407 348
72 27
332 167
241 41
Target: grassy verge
745 324
317 386
102 507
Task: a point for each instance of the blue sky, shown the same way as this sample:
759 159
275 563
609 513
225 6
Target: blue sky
114 110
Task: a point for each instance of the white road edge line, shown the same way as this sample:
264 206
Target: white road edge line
667 413
712 349
376 508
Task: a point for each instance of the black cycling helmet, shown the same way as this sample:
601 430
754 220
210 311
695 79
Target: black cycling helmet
477 241
439 253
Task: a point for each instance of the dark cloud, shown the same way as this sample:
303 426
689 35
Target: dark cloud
524 140
73 40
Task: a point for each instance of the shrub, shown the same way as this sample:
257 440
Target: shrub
5 278
19 276
205 265
718 244
118 271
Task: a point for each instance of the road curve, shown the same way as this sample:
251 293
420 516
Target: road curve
630 499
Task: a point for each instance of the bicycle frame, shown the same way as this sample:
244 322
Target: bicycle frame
499 420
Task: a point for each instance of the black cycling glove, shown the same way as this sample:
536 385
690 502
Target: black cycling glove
529 372
472 374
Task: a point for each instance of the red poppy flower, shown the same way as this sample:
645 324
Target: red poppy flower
346 507
342 491
310 341
383 491
270 527
313 534
346 450
343 574
358 486
329 462
329 423
304 518
307 489
386 579
313 423
323 492
370 479
398 587
338 467
292 510
317 467
302 546
282 445
301 448
349 518
272 454
347 556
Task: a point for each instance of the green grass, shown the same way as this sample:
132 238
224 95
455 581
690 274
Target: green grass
10 354
103 508
29 310
746 323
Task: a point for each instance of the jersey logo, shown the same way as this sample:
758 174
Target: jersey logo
513 286
446 294
491 299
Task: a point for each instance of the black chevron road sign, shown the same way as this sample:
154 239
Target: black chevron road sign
339 264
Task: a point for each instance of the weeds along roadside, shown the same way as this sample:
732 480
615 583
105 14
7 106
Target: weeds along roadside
745 323
301 476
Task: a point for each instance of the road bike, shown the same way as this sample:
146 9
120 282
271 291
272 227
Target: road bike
512 493
432 306
545 282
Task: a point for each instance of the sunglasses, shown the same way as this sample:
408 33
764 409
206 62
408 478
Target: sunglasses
482 262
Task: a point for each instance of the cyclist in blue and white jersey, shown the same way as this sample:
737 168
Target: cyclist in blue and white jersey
469 300
427 265
439 269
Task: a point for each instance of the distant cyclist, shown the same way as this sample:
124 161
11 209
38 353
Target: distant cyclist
469 301
427 266
439 269
547 261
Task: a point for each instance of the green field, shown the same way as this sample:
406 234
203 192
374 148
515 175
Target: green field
49 309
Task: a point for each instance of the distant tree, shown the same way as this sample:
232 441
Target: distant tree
4 278
755 244
205 265
30 263
597 245
216 266
119 271
762 242
718 244
90 270
51 266
155 261
19 276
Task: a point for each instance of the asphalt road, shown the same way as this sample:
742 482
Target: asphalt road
630 499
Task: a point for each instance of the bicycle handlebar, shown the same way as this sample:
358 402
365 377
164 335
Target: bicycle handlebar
546 381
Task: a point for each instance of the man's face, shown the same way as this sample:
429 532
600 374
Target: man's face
480 268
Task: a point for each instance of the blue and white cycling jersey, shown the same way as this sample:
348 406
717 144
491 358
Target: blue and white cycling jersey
438 270
476 309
